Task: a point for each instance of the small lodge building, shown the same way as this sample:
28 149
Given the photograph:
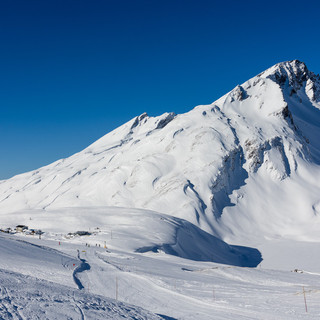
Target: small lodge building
83 233
21 228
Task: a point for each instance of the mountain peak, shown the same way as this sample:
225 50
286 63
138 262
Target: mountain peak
292 73
292 67
293 64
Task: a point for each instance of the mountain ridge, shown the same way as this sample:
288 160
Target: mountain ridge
199 165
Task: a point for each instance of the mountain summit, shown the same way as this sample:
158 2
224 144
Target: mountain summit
244 166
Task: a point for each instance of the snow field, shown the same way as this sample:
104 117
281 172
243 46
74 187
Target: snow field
163 284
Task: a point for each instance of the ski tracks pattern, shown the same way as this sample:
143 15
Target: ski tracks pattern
8 310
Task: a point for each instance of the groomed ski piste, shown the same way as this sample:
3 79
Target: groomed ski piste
37 276
212 214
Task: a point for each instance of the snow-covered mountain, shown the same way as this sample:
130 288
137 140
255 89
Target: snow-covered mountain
244 166
243 170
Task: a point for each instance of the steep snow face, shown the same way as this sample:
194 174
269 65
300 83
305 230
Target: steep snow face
246 164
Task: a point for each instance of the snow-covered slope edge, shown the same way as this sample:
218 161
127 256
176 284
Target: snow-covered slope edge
246 165
133 230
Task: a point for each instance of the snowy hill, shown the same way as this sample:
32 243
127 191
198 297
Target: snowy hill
135 230
249 162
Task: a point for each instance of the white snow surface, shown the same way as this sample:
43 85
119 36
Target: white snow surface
123 284
183 203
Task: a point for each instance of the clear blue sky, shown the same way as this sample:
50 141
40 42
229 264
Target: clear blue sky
71 71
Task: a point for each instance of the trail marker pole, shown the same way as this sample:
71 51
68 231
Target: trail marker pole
213 295
305 300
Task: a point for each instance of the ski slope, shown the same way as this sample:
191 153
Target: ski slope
122 284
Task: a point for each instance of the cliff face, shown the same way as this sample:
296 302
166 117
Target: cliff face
246 164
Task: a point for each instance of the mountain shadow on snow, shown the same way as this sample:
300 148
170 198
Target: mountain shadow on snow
195 244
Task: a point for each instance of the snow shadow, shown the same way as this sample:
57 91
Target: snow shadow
195 244
232 177
166 317
249 257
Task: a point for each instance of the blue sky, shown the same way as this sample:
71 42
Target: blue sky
71 71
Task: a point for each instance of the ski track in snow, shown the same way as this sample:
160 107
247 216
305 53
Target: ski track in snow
45 300
84 266
8 308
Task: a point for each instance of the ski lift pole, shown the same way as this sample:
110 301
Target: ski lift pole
305 300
